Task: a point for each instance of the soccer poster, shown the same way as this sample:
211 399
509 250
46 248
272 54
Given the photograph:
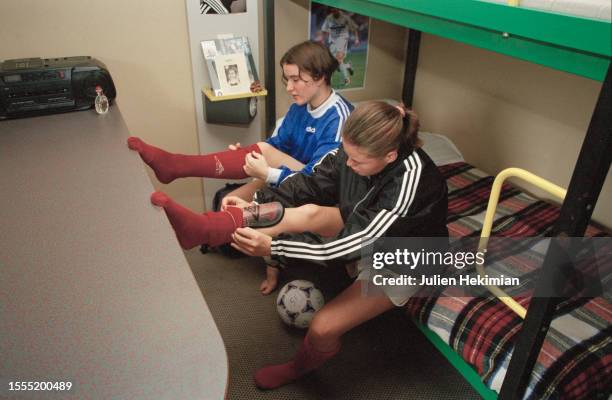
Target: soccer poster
346 35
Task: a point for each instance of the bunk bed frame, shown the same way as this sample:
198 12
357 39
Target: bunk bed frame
575 45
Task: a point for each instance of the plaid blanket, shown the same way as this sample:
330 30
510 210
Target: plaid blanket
575 361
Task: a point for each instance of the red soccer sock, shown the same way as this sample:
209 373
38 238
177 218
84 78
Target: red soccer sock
306 360
168 166
212 228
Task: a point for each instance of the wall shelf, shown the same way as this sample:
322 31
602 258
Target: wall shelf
211 96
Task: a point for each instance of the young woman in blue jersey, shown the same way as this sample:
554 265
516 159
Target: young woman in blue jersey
309 130
379 183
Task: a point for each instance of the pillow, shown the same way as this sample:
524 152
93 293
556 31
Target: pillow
440 148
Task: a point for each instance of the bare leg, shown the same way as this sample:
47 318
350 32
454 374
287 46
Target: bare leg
340 56
322 341
346 311
326 221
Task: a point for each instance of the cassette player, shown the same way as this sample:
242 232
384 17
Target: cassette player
36 86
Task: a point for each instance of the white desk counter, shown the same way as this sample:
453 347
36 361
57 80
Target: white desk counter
94 288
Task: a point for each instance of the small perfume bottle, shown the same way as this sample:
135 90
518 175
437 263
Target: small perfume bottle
101 101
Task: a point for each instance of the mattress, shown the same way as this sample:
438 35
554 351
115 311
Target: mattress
593 9
575 361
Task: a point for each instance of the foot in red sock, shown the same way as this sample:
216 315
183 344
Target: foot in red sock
212 228
168 166
306 360
159 160
160 198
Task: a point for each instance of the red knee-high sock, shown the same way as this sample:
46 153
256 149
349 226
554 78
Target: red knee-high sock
212 228
168 166
306 360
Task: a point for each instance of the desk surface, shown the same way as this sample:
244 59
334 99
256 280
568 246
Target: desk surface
94 288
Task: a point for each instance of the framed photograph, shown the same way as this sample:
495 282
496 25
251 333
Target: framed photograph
346 35
233 77
233 73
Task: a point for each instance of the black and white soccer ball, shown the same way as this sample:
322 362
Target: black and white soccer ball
297 302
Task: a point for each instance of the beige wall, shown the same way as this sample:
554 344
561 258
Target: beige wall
502 112
384 75
145 46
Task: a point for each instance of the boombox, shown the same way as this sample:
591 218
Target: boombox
36 86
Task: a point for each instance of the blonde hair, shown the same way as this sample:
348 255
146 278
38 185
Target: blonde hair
380 128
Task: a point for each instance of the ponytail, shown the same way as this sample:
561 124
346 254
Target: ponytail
409 135
380 128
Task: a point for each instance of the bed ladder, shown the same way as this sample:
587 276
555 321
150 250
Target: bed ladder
487 225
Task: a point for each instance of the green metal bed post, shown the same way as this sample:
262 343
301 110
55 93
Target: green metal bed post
410 69
270 67
587 180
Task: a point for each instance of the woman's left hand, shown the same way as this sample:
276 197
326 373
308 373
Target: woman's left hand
255 165
251 242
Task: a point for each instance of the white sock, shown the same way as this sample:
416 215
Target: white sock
344 70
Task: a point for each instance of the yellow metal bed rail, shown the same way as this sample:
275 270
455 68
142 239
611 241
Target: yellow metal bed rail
535 180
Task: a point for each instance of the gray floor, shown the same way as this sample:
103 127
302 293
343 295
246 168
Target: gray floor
386 358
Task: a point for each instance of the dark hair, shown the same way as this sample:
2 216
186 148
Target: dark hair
313 58
379 128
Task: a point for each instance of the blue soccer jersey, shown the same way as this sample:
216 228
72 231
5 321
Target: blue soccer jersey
307 135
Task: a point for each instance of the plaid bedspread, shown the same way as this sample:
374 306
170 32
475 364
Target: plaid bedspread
575 361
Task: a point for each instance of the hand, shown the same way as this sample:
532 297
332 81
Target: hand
255 165
234 146
256 87
251 242
357 42
233 201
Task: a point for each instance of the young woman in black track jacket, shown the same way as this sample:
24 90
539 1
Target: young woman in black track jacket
379 183
407 198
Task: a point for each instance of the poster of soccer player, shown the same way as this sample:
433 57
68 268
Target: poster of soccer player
346 35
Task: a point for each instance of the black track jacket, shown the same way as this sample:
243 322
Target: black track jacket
407 198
